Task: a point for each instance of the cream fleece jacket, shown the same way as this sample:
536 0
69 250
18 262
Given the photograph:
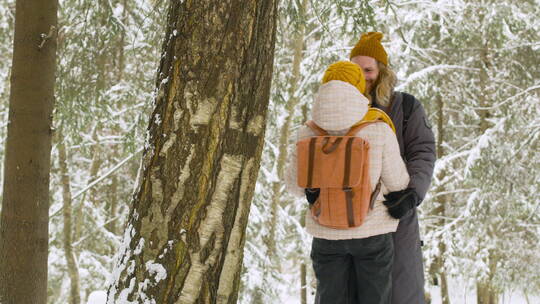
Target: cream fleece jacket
337 106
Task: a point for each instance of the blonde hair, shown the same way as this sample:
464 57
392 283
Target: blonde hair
384 85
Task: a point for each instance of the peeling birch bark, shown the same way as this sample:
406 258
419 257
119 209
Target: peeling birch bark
185 233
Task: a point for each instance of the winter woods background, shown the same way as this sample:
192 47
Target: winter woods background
473 64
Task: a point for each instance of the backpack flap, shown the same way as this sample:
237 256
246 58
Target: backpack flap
330 161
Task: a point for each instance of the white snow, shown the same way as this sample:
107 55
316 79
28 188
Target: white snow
97 297
156 270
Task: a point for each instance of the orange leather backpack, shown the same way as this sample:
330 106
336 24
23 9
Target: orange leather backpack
339 166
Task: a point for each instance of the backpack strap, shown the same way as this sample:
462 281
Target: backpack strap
374 195
311 160
408 106
349 194
354 129
318 130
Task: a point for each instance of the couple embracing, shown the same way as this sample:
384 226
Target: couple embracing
375 256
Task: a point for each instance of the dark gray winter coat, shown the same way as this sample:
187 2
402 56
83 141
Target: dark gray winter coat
418 140
420 156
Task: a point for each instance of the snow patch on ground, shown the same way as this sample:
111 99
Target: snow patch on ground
97 297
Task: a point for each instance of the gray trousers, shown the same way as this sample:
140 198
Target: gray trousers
408 269
369 260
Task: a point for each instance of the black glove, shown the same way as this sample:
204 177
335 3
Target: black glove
401 202
312 194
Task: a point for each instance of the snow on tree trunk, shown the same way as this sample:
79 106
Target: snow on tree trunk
184 239
25 205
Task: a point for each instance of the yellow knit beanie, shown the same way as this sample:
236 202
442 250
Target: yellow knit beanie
348 72
370 45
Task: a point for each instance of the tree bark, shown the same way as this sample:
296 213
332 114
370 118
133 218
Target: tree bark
25 205
184 239
73 271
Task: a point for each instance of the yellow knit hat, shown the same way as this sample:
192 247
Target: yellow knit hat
370 45
348 72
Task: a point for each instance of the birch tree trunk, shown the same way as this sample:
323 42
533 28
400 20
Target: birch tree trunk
184 238
25 205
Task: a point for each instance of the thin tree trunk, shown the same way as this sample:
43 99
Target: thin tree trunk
79 212
113 203
97 161
526 294
427 297
303 269
438 268
303 264
493 296
285 132
184 238
445 293
102 55
303 282
121 41
79 220
119 68
487 292
25 205
441 209
73 271
481 293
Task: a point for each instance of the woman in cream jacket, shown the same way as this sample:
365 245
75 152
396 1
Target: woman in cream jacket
368 249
